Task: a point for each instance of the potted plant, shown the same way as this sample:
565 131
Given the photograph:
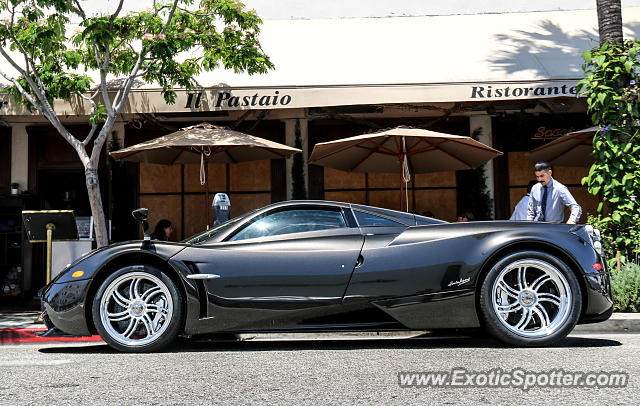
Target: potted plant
14 188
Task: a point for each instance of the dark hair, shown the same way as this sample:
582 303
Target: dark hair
531 185
158 232
469 216
542 166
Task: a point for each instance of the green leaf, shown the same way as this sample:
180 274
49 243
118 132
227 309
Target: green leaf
602 97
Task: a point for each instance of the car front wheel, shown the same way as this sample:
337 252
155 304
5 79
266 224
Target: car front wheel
137 309
530 298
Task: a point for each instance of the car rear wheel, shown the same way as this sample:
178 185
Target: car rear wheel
530 298
138 309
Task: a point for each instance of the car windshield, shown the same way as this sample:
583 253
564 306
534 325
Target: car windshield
208 234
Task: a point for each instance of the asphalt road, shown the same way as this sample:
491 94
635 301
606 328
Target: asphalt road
314 372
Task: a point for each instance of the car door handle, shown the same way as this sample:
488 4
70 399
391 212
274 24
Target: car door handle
202 276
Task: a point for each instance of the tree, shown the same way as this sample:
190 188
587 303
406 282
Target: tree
168 44
609 20
611 87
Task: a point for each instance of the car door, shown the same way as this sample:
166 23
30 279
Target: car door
376 270
291 259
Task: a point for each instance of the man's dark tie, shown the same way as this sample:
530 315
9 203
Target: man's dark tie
544 203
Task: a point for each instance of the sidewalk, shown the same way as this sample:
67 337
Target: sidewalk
21 327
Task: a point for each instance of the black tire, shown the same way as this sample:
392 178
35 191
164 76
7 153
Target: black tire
545 326
149 322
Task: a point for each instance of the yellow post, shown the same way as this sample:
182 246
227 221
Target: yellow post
50 228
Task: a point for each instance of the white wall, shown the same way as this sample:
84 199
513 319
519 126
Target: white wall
314 9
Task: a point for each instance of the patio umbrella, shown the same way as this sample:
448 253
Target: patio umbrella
403 150
572 149
204 143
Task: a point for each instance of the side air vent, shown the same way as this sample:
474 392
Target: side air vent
202 290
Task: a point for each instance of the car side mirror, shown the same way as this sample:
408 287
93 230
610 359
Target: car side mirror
141 215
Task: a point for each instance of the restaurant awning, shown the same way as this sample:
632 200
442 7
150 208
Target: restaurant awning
353 61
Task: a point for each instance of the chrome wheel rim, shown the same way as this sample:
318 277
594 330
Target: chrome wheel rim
531 298
136 309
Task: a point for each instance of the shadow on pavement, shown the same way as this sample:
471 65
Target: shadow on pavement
421 342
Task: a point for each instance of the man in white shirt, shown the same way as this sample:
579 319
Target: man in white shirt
549 197
520 212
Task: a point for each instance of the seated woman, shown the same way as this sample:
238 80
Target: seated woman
162 231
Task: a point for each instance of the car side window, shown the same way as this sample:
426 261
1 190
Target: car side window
371 220
291 221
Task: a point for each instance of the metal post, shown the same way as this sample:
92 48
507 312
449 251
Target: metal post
50 228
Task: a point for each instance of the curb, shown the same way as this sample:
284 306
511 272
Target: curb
10 336
19 328
617 323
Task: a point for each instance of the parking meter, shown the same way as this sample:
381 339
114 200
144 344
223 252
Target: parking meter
221 208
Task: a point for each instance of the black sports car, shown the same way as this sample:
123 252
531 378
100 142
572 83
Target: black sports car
328 266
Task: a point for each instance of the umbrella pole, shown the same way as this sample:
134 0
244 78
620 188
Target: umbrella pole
401 183
206 190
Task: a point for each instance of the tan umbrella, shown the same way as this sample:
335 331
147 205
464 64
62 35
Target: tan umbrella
403 150
572 149
204 143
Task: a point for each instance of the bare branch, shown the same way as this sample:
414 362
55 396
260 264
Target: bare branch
39 92
94 125
103 80
102 65
80 10
89 98
26 95
141 73
115 14
158 10
53 119
125 88
19 44
28 59
170 16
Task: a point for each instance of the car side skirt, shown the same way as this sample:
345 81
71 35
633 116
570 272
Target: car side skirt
451 309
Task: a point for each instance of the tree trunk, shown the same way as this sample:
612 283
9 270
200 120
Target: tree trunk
95 199
610 21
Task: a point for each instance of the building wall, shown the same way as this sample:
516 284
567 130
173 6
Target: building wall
5 159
